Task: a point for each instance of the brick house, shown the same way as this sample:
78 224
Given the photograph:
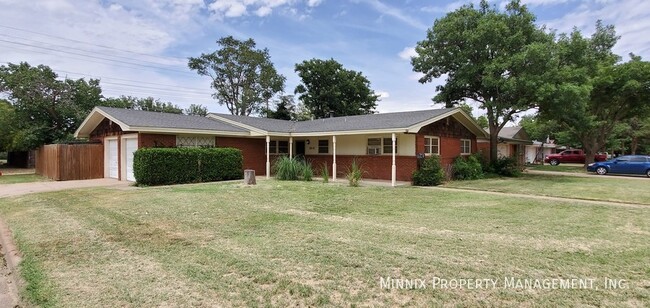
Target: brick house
386 145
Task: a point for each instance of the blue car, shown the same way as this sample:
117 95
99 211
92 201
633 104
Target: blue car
630 164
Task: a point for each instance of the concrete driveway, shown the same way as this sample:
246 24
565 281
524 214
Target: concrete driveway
591 175
19 189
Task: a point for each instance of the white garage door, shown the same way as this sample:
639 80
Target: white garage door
131 146
112 159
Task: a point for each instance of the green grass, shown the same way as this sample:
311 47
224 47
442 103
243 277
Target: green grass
21 178
572 168
619 189
312 244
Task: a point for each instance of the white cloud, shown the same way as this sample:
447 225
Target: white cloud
313 3
407 53
239 8
263 11
382 94
396 13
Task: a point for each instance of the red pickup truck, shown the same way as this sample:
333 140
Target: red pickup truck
571 156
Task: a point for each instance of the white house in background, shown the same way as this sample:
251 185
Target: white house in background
536 152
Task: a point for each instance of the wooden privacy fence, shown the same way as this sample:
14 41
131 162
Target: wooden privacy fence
63 162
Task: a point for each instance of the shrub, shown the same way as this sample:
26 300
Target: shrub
292 169
164 166
467 168
430 173
354 174
506 166
307 171
325 173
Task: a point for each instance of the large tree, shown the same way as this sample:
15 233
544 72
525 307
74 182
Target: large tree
327 87
243 77
595 92
45 108
501 60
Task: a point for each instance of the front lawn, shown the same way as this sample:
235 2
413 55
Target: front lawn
571 168
21 178
620 189
313 244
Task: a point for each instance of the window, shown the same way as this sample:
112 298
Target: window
388 145
195 141
638 159
431 145
278 147
465 146
374 146
323 146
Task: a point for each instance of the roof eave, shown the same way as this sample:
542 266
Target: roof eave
89 124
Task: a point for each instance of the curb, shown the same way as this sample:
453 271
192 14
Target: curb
12 257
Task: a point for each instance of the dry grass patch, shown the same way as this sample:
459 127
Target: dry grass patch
313 244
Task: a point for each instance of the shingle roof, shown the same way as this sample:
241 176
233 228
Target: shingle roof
369 122
266 124
139 118
509 132
348 123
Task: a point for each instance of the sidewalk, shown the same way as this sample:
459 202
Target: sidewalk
19 189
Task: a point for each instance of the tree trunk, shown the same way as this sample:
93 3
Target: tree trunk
590 149
634 145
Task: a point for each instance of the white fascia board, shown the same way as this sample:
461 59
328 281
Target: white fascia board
351 132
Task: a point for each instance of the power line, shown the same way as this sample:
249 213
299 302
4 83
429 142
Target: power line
91 44
129 80
84 50
95 57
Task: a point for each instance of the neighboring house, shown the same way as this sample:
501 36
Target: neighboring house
536 152
385 144
512 142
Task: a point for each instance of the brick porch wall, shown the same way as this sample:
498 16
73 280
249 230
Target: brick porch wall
253 149
156 140
375 166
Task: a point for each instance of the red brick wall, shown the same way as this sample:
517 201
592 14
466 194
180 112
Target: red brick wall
375 166
450 132
156 140
484 148
253 149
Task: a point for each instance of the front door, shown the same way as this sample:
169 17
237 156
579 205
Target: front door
300 148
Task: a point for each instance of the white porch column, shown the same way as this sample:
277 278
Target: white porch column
393 175
334 158
290 147
268 157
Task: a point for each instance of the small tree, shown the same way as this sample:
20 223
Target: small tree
328 88
243 77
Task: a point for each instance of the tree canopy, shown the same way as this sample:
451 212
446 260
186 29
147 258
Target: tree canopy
501 60
243 77
596 92
45 109
327 87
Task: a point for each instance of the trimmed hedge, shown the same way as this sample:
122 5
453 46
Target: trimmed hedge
164 166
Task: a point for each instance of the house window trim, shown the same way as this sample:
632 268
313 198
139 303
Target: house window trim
469 147
430 144
318 147
196 138
274 147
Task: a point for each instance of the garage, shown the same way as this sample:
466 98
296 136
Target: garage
112 158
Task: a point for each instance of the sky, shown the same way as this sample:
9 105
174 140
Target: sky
140 47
